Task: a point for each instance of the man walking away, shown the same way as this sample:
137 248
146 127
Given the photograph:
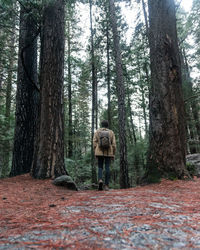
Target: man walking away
104 149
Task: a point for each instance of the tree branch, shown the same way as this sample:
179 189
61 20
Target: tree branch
191 97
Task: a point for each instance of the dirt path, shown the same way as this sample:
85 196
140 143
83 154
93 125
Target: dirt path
34 214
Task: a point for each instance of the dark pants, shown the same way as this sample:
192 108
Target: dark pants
101 160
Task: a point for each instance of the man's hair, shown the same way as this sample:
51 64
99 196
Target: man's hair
104 124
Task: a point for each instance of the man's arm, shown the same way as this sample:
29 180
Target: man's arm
114 143
95 141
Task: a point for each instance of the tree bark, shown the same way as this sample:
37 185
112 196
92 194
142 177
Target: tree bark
194 104
94 97
131 120
143 105
145 18
129 109
70 144
49 155
108 73
27 97
167 115
11 60
124 178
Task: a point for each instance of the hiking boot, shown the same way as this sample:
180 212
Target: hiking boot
100 185
106 188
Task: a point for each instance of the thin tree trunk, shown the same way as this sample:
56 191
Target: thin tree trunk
7 145
49 159
143 97
124 178
129 109
96 99
27 97
167 115
131 119
94 95
108 74
195 113
191 140
145 17
194 104
191 128
70 146
129 133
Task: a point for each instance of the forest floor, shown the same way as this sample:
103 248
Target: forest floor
35 214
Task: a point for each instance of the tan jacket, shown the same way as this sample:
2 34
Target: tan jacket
98 151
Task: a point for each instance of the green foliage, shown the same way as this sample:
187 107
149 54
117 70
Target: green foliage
115 173
137 161
79 169
6 137
191 169
8 68
152 175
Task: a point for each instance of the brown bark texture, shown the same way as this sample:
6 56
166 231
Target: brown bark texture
94 96
167 115
192 116
124 179
108 71
27 97
49 155
70 132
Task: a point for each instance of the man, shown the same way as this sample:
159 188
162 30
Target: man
104 145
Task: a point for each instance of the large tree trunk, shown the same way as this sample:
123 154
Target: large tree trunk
124 179
167 116
49 157
27 97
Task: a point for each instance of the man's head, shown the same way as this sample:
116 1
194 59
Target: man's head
104 124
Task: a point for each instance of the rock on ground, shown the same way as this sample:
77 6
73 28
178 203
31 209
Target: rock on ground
66 181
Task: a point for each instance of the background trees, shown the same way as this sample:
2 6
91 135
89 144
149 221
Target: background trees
8 57
91 55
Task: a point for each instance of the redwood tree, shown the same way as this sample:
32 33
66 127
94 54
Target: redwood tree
27 97
167 117
49 153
